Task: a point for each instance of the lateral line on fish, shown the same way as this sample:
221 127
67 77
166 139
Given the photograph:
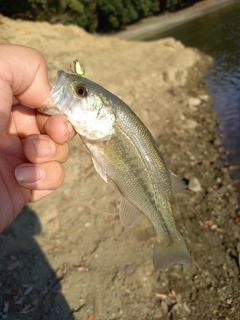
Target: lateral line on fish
160 216
126 152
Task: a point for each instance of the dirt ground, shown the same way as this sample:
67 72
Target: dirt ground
67 256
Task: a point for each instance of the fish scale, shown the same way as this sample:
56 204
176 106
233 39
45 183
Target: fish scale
123 149
136 183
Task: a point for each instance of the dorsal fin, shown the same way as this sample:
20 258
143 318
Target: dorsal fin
178 185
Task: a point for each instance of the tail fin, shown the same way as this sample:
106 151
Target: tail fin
164 254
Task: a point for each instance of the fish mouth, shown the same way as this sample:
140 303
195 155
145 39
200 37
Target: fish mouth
54 101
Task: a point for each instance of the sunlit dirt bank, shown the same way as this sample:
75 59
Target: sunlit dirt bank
67 256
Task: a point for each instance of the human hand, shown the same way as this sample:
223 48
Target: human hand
33 146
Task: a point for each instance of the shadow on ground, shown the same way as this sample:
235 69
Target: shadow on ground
29 287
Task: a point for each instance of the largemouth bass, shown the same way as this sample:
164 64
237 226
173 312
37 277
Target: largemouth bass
123 149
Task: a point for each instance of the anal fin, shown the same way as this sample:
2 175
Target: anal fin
128 213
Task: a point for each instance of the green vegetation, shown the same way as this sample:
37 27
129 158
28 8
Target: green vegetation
92 15
116 13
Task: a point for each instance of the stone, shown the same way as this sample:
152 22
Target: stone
189 124
194 101
194 185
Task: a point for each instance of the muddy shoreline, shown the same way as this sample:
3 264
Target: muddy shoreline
67 256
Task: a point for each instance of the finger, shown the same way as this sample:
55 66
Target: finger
24 70
40 148
25 121
39 194
5 103
57 127
44 176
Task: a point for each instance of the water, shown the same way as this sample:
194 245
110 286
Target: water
218 34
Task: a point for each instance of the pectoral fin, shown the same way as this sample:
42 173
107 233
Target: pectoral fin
99 170
128 213
177 184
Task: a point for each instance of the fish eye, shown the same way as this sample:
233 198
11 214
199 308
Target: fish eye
81 90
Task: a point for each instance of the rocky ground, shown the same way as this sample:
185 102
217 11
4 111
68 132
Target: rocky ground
67 256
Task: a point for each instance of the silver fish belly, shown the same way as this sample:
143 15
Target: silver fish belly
123 149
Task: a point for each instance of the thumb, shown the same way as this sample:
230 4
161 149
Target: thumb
23 74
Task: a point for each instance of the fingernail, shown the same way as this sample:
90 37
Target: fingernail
43 147
29 173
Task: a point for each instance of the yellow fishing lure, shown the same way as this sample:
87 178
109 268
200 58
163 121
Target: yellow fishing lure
78 69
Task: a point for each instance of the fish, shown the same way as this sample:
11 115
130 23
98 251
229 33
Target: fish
123 150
